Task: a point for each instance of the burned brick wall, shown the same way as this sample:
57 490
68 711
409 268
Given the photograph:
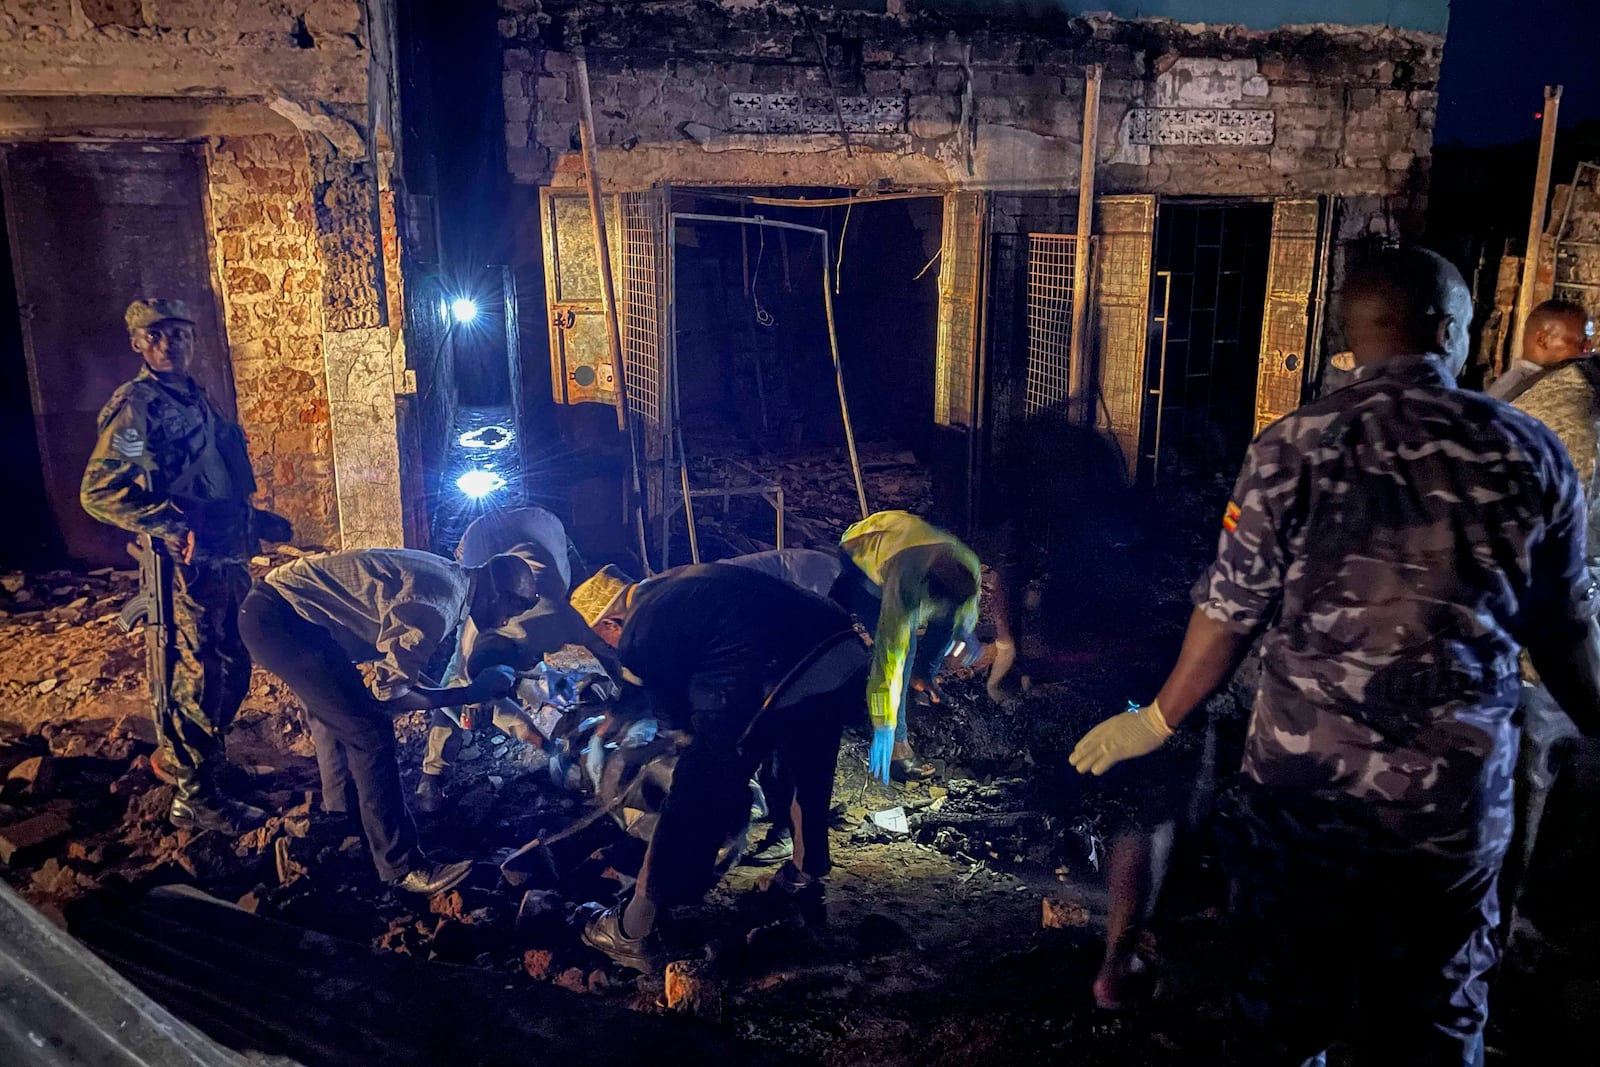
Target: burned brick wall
295 99
272 279
767 94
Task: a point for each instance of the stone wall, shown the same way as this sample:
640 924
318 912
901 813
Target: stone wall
272 281
294 98
738 93
309 50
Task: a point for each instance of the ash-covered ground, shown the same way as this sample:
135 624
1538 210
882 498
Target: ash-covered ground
932 949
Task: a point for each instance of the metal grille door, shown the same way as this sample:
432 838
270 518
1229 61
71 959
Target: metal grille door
1286 326
960 276
643 315
1052 264
1126 246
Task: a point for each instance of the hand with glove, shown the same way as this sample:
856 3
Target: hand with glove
1124 736
882 753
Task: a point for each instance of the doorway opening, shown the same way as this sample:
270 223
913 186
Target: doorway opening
93 226
470 389
1208 297
756 386
29 540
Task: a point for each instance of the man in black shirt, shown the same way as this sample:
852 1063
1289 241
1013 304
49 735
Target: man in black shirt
749 665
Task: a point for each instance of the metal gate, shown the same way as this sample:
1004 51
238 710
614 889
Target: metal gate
580 356
1123 260
641 297
1292 279
1052 266
960 279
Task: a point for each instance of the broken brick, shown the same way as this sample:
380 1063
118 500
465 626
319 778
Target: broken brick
19 838
693 989
536 961
33 777
1064 914
448 904
573 979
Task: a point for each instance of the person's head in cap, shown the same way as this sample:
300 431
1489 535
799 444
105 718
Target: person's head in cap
162 332
603 603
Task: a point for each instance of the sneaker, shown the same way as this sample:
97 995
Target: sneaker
430 794
215 812
603 933
430 877
777 847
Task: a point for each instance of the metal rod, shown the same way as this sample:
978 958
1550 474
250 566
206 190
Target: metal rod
1541 197
980 384
1160 390
670 374
838 376
833 337
608 292
829 201
1077 367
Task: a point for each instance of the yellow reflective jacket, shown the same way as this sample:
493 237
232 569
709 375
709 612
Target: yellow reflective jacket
895 549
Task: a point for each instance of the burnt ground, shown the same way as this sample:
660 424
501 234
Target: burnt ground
932 950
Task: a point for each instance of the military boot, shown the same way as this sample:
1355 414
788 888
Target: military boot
201 805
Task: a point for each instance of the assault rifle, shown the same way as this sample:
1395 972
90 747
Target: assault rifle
153 607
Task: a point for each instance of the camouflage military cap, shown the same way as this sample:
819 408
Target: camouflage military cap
143 314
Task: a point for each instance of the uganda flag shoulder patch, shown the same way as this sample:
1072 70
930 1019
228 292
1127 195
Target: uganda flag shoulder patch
1230 518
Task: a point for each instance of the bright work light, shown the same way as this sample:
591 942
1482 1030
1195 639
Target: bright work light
464 309
479 483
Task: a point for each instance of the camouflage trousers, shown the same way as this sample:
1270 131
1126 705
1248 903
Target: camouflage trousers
1387 950
208 666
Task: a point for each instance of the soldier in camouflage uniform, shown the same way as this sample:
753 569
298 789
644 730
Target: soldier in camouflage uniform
168 465
1394 544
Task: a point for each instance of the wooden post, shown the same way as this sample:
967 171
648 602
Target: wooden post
1079 387
608 292
1541 197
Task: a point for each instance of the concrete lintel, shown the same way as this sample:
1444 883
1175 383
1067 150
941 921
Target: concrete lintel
345 138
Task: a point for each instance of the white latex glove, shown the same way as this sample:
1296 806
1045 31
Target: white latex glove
1127 735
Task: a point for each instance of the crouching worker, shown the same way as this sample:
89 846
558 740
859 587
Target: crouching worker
310 621
749 666
915 587
538 535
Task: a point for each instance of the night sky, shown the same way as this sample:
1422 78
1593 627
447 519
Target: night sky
1498 57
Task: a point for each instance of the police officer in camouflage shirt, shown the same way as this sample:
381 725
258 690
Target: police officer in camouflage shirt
169 465
1394 543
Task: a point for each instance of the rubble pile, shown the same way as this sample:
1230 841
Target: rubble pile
933 880
819 495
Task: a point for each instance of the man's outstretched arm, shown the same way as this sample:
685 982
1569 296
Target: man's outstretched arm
1211 651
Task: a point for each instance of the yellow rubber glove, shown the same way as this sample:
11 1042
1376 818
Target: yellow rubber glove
1127 735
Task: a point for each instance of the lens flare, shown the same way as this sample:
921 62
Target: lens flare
479 483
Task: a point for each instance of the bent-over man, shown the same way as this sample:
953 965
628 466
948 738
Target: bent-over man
310 621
